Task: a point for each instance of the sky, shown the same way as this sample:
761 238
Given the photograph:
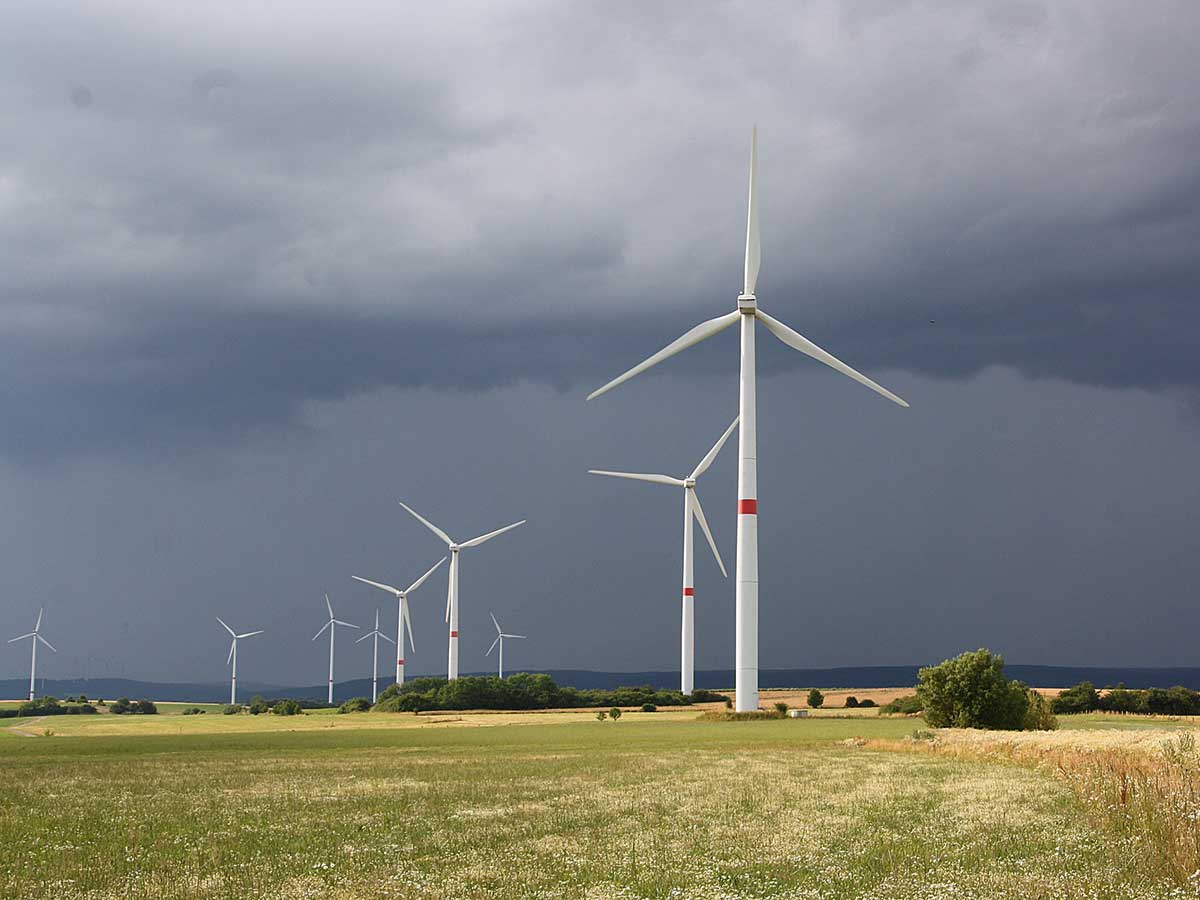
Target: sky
268 270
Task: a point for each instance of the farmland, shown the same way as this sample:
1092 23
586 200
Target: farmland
541 805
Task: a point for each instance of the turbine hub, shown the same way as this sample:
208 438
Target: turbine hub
454 548
689 482
747 303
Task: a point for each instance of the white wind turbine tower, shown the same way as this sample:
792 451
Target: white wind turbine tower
332 626
452 588
36 634
403 616
747 313
691 508
500 636
233 656
377 634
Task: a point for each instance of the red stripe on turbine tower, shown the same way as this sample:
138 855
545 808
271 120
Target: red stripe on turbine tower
689 592
454 634
747 507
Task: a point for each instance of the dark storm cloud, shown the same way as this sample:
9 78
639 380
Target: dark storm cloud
257 208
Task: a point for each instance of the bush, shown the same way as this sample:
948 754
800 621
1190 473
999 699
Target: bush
355 704
614 713
601 715
728 703
1081 698
649 707
851 702
231 709
145 708
970 691
866 703
781 708
815 698
193 711
907 705
286 708
1039 715
258 706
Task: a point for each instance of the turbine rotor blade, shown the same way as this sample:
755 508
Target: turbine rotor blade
44 641
229 658
22 637
696 335
638 476
514 636
753 248
223 625
382 587
385 637
249 633
322 631
416 515
408 622
347 624
475 542
699 513
712 454
420 581
367 635
329 606
38 625
494 622
799 342
493 647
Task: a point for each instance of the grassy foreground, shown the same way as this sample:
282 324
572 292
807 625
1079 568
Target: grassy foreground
651 806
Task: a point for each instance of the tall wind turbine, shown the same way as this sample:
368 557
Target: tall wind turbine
747 313
377 634
403 617
332 625
691 508
500 636
233 656
36 635
452 588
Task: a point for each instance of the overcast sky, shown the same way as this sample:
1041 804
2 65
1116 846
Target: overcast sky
266 270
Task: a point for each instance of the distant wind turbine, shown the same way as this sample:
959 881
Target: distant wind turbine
403 617
36 635
377 634
332 626
691 508
500 636
747 313
233 657
452 588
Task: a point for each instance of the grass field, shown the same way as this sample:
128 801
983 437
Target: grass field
558 805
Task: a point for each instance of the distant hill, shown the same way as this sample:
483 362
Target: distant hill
713 679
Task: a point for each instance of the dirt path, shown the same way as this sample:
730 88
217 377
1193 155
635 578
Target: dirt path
28 723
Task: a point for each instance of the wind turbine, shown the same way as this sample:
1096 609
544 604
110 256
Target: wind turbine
377 634
747 313
233 656
500 636
691 508
452 588
36 634
332 625
403 617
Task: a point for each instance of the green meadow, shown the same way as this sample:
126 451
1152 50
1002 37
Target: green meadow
654 805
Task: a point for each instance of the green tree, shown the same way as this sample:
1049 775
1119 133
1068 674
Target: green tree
815 698
615 713
970 691
286 708
1081 698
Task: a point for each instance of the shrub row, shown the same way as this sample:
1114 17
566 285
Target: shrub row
523 691
50 706
1173 701
125 706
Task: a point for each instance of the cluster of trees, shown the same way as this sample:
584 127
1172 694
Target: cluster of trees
970 691
853 702
50 706
258 706
1173 701
523 691
125 706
